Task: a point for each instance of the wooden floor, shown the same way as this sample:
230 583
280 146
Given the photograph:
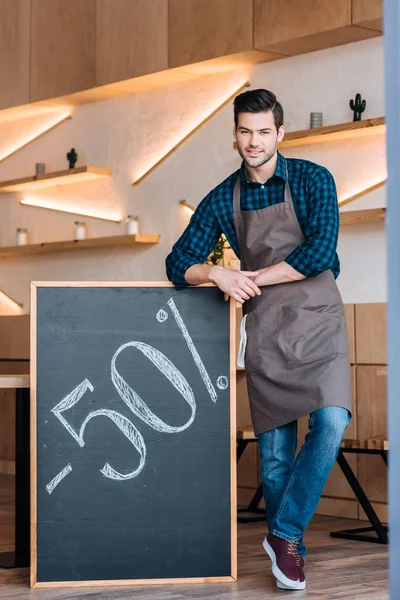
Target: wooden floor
335 569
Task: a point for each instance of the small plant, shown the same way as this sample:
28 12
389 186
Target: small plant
217 255
358 107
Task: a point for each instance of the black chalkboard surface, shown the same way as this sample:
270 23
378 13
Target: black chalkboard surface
133 434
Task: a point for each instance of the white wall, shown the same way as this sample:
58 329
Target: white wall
128 134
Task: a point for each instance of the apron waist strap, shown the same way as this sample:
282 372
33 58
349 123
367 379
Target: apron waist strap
243 342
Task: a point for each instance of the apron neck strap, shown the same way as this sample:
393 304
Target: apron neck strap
236 191
236 195
288 194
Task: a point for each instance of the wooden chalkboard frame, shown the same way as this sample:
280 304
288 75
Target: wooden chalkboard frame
33 447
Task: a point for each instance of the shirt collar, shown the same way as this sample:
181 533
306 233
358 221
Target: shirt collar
280 170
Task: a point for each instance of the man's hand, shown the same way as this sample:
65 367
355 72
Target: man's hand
237 284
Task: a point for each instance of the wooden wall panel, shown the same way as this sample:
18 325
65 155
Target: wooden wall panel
371 420
338 507
205 29
131 39
368 13
370 325
14 52
381 509
349 315
14 337
292 27
62 47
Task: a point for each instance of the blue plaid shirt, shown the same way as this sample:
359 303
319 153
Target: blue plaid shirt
315 202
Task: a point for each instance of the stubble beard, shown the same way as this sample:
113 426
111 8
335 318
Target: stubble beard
254 163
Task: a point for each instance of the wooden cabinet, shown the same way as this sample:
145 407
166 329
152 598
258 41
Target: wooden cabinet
293 27
14 337
204 29
368 13
58 48
14 52
62 47
131 39
371 420
370 326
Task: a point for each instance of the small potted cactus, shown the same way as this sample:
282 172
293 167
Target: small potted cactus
358 107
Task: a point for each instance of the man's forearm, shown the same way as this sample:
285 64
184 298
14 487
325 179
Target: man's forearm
239 285
280 273
198 274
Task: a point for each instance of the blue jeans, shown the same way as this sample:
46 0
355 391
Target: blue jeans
292 485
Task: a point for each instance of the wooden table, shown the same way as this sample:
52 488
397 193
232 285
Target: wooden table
20 557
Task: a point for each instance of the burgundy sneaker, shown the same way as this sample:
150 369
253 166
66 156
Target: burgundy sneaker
300 565
302 578
283 555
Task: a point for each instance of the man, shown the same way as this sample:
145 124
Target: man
281 218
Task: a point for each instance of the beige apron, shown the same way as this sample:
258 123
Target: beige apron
296 353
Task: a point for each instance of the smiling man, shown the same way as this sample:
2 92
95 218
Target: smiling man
281 217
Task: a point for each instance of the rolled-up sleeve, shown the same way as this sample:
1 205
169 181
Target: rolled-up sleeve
195 244
317 253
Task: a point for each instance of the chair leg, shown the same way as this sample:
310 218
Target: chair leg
255 501
380 529
253 508
240 448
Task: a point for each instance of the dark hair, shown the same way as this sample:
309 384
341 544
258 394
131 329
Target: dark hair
255 101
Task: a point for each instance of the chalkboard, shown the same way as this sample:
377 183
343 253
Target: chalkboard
133 434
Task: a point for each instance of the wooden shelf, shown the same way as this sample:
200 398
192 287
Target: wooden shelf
361 217
35 182
103 242
332 133
362 193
